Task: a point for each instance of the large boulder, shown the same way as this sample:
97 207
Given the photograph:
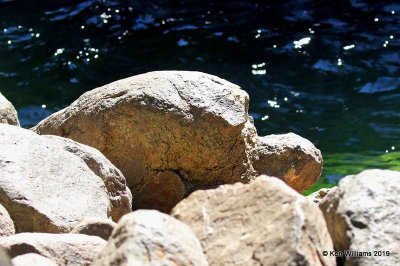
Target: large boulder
172 132
261 223
32 259
64 249
6 224
8 114
95 227
49 183
147 237
362 215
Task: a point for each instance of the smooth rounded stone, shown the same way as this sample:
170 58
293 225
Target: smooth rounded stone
173 132
290 157
64 249
149 237
95 227
8 114
319 195
169 132
32 259
362 215
50 184
264 222
6 224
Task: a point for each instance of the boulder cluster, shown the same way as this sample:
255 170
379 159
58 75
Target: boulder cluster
167 168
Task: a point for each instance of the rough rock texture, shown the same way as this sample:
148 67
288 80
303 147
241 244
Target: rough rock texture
6 224
32 259
290 157
261 223
147 237
172 132
64 249
49 184
8 114
363 213
319 195
95 227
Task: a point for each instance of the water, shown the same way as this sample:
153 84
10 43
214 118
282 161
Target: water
326 70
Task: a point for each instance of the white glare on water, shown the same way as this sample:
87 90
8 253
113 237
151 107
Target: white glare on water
348 47
259 72
298 44
265 117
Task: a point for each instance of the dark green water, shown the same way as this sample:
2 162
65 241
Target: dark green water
326 70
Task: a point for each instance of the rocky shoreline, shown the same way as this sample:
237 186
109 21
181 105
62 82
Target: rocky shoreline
167 168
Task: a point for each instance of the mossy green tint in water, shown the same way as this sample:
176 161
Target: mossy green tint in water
339 165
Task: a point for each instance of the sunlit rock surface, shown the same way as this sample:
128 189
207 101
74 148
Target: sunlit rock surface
6 224
261 223
32 259
363 213
64 249
172 132
148 237
49 183
290 157
319 195
95 227
8 114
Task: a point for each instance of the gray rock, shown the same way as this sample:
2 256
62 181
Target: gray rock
49 184
8 114
32 259
147 237
6 224
95 227
261 223
64 249
363 213
172 132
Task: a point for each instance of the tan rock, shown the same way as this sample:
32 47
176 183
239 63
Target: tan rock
362 215
6 224
147 237
8 114
319 195
49 184
32 259
172 132
290 157
64 249
261 223
95 227
183 129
